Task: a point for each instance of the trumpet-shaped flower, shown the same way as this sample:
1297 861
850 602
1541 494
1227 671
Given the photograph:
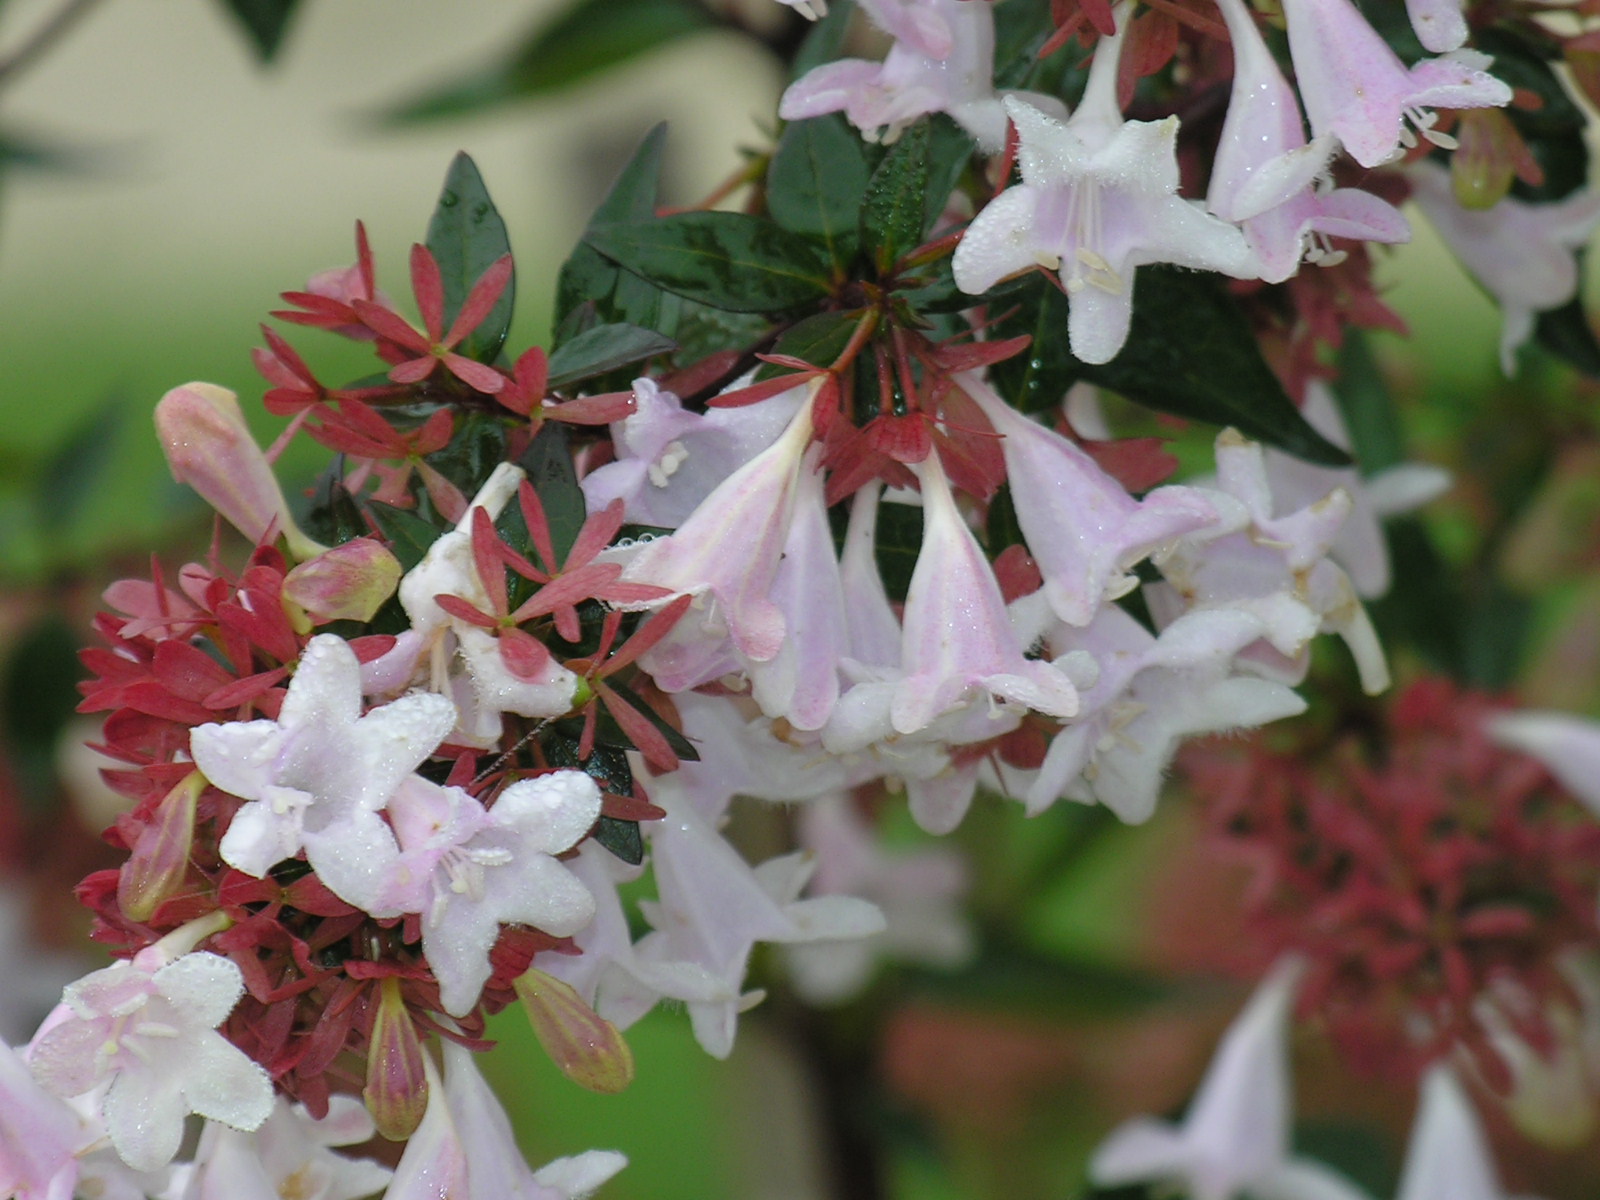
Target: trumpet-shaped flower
465 1150
727 555
146 1031
1081 526
1448 1155
1357 89
1234 1140
318 776
1098 199
467 870
957 634
942 60
669 459
1524 255
1568 746
1266 176
40 1135
1149 693
289 1158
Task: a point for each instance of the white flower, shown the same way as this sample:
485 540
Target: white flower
1568 746
319 775
1447 1157
1524 255
1098 199
1234 1141
288 1158
146 1031
467 870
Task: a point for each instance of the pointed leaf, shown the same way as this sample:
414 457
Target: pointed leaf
264 23
467 236
603 349
726 260
408 535
621 838
892 214
590 38
815 183
588 277
548 463
818 340
1190 352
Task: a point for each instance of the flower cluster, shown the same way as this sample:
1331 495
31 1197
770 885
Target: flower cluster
820 503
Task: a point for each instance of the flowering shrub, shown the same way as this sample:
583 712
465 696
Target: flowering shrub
853 498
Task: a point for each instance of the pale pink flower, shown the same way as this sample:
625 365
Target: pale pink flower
942 60
1098 199
1267 179
1234 1139
467 870
1357 89
291 1155
145 1031
1568 746
1447 1157
1524 255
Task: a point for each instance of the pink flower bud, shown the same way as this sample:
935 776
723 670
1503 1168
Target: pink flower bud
349 582
585 1045
160 858
396 1092
209 447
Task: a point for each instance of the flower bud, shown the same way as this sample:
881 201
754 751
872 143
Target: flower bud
396 1091
1485 162
160 858
349 582
209 447
585 1045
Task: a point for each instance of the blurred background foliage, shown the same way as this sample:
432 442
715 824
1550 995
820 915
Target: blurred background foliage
159 186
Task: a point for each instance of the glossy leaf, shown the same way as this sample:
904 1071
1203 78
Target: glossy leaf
407 534
602 349
815 183
591 37
1190 353
892 214
467 236
727 260
818 340
588 277
264 23
621 838
950 149
548 462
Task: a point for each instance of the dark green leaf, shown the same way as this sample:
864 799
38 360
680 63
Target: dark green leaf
1567 333
477 446
548 463
589 38
681 746
899 541
333 516
1355 1151
409 536
818 340
825 39
893 212
1368 409
1424 606
815 183
69 476
1003 528
602 349
621 838
467 236
950 149
1190 352
588 276
264 22
701 330
726 260
37 700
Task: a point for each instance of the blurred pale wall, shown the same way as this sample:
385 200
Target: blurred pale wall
211 184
